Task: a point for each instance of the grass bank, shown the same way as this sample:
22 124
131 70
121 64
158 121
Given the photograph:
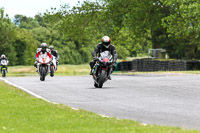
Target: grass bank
76 70
62 70
23 113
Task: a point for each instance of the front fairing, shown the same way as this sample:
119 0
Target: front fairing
44 59
4 63
105 58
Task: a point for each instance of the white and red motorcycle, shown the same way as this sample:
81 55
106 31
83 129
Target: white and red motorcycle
43 66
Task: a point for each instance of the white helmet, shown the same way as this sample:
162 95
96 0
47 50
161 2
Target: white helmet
44 46
106 41
51 47
3 56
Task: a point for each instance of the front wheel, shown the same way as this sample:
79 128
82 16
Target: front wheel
96 85
43 73
4 73
102 78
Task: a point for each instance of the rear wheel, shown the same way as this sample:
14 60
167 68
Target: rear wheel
102 78
52 71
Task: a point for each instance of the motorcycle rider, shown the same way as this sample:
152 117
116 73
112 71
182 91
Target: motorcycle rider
3 57
42 50
54 53
105 45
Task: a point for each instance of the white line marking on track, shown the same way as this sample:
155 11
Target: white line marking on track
36 95
29 92
144 124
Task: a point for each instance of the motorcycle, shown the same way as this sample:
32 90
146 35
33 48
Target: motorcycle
4 64
43 66
102 69
53 66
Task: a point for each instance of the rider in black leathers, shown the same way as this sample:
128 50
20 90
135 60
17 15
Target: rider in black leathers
105 45
54 53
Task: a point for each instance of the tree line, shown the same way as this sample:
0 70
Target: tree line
133 25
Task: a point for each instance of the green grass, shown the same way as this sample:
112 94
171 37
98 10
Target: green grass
75 70
22 113
62 70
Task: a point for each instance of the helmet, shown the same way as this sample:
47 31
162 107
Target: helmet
3 56
44 46
106 41
51 47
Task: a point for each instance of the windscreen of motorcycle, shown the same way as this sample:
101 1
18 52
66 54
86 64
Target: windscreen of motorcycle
4 63
43 58
106 54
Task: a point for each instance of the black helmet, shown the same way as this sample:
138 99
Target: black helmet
106 41
43 46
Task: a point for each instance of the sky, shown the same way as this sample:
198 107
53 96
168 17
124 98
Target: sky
30 8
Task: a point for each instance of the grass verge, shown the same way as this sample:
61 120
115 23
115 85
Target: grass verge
76 70
23 113
62 70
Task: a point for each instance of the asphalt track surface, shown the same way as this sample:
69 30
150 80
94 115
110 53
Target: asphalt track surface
172 100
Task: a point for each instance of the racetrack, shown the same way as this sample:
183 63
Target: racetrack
172 100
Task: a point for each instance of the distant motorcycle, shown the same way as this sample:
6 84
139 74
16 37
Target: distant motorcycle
4 65
53 66
102 69
43 66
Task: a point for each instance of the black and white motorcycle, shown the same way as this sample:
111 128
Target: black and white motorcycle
102 69
4 65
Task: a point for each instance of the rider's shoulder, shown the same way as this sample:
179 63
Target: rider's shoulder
99 45
39 49
112 45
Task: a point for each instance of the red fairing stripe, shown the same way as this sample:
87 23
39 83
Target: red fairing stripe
38 54
49 54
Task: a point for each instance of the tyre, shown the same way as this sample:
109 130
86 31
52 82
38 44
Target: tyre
96 85
4 73
52 71
42 78
102 78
